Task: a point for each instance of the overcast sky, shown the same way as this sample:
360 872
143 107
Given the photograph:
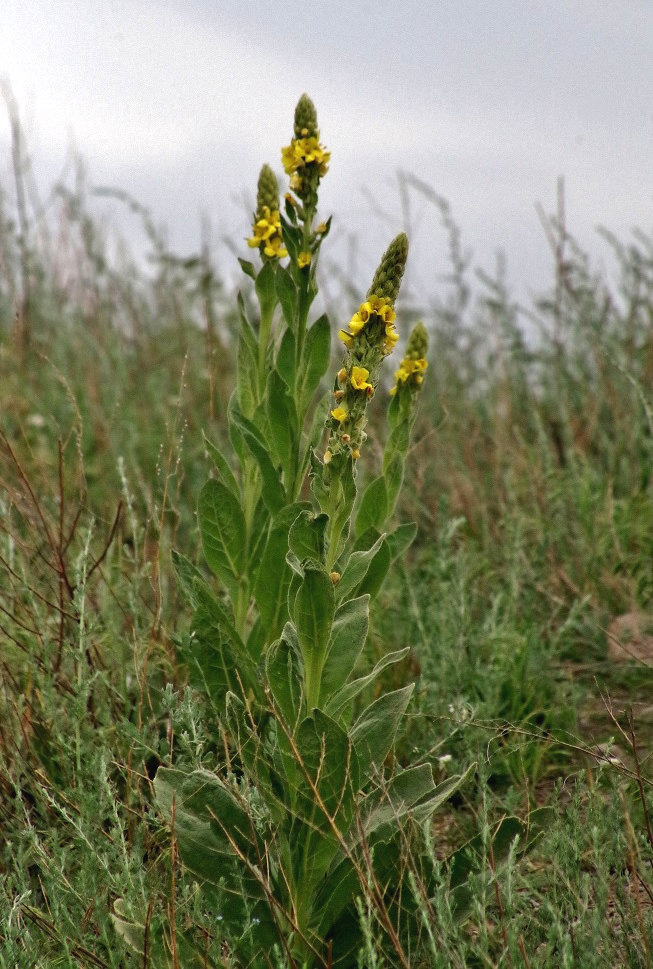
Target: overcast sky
488 101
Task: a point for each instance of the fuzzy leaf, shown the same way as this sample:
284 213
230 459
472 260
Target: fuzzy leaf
377 571
187 574
400 540
284 674
340 701
394 477
286 363
326 796
307 537
374 732
273 492
222 527
223 467
356 569
287 295
266 288
313 611
348 635
273 573
373 509
282 420
214 653
316 357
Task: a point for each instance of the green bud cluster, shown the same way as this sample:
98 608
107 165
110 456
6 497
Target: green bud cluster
387 278
306 118
418 343
268 191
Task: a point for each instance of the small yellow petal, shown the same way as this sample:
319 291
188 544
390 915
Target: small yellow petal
339 414
346 338
359 380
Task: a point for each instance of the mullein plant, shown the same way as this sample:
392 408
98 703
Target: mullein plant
305 815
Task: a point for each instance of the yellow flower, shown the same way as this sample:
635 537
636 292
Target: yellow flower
346 338
289 158
359 380
410 367
340 414
402 374
356 324
303 259
320 229
355 454
327 456
381 306
274 248
267 233
391 337
305 151
377 305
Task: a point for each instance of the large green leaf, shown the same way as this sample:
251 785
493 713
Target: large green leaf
273 573
222 466
187 574
284 675
400 540
326 797
339 703
313 612
374 732
307 538
273 492
247 364
214 654
316 357
258 758
287 294
158 950
210 824
286 358
394 477
266 290
224 537
373 508
356 570
377 572
282 420
348 635
221 846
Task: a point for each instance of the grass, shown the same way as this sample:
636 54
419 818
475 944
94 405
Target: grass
531 484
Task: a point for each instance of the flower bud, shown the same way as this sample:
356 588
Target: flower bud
387 278
305 118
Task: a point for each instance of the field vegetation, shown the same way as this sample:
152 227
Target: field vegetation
522 612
